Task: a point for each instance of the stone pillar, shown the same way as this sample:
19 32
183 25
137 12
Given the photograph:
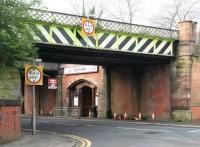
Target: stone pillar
181 92
104 107
59 92
93 96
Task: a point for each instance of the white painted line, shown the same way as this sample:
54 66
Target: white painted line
45 121
145 129
193 131
88 125
66 124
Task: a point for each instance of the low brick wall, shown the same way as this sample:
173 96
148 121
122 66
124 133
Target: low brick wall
10 120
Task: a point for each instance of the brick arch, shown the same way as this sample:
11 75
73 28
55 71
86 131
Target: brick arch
81 83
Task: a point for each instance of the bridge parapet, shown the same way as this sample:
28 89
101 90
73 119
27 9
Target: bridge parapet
102 24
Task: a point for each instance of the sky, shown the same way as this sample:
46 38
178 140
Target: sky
147 9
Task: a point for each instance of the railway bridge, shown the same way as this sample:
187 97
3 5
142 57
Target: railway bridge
145 69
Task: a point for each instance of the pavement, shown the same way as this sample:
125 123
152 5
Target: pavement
43 139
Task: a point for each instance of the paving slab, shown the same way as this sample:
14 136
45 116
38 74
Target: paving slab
42 139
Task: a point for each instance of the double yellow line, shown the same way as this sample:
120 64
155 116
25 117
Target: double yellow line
84 142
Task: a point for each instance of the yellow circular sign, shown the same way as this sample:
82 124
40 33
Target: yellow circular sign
33 74
88 27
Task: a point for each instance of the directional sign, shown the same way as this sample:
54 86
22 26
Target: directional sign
33 75
88 27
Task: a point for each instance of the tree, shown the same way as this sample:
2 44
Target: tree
89 8
125 10
16 38
176 11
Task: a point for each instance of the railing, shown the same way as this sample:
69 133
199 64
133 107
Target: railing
75 20
66 111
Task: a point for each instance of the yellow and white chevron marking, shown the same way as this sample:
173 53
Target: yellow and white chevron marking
44 32
157 50
107 41
139 45
169 51
82 40
126 43
35 37
150 46
63 35
59 35
102 40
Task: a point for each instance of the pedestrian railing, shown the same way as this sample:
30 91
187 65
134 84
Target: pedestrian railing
66 111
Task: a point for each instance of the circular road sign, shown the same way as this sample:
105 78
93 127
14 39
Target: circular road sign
88 26
34 74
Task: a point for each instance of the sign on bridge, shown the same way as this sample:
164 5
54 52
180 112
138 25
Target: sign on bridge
88 27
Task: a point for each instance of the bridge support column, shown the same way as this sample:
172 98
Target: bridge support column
182 73
104 108
59 91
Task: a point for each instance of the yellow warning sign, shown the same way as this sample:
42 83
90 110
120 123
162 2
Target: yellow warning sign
33 75
88 27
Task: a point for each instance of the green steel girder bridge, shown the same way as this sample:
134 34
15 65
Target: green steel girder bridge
60 40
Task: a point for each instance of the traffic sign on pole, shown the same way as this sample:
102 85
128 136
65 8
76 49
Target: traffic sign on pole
33 75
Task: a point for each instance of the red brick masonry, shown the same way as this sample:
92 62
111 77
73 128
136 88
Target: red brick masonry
10 120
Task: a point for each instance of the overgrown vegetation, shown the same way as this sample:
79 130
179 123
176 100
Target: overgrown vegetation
16 39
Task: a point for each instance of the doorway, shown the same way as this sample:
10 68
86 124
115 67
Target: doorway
86 100
83 95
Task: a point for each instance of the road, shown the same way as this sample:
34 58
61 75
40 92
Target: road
108 133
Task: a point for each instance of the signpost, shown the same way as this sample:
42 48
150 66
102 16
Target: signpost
34 76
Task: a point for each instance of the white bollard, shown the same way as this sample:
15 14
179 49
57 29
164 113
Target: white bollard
140 116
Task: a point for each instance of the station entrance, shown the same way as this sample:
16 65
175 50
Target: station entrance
82 94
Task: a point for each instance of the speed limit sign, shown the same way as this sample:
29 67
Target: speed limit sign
88 27
33 75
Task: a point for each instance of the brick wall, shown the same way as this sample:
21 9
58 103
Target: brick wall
195 91
10 123
144 90
10 109
123 92
96 78
45 99
155 92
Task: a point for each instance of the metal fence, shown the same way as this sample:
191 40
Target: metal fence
66 111
75 20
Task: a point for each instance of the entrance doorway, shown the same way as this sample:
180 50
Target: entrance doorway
86 100
82 95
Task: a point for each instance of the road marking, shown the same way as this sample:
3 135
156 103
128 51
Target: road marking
84 142
58 123
145 129
45 121
193 131
65 124
88 125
